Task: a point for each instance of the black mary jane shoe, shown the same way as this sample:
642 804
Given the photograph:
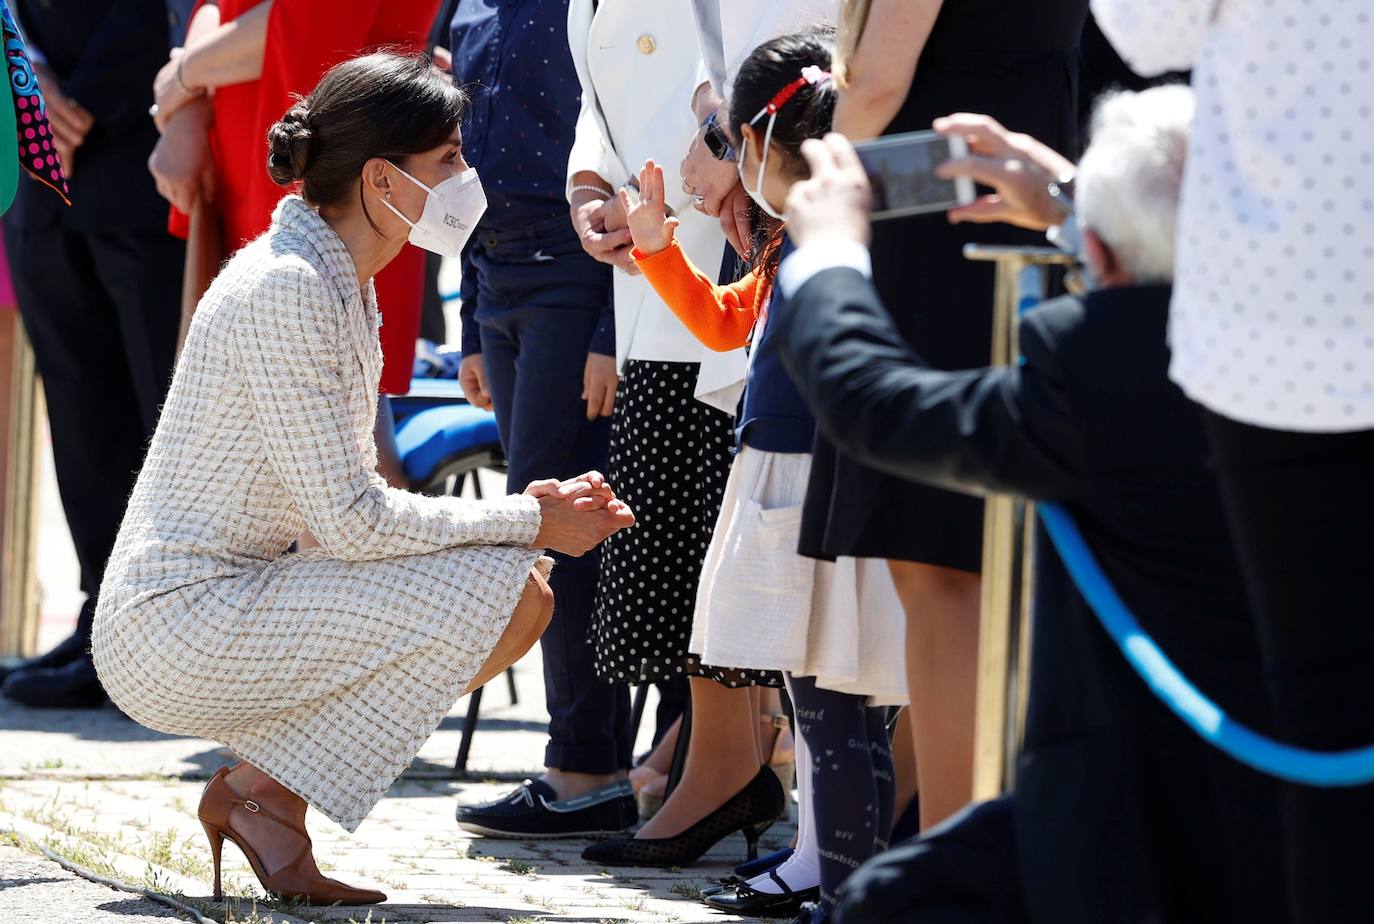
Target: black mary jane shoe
748 870
750 902
725 885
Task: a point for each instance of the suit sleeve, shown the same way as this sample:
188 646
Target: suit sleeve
710 36
999 429
121 43
1156 36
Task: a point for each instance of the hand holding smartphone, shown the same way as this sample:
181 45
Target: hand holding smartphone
901 170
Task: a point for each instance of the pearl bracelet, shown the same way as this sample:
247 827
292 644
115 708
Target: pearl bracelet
604 193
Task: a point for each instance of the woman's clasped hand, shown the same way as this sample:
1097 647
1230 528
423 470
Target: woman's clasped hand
578 514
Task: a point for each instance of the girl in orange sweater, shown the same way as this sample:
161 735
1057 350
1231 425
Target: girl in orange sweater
720 316
835 629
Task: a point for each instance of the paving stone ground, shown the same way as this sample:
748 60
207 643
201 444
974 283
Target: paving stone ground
120 800
35 890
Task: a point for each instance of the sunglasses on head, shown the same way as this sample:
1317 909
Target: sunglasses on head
716 141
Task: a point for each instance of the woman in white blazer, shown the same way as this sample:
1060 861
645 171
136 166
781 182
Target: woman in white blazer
670 451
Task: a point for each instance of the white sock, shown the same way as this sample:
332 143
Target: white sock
802 870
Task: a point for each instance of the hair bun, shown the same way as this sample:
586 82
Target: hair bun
289 144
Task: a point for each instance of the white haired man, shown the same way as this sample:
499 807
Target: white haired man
1120 813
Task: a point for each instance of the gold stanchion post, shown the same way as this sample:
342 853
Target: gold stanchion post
21 397
1008 531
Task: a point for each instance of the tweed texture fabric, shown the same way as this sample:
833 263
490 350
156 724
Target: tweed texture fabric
327 668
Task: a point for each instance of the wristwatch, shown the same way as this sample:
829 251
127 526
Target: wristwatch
1060 191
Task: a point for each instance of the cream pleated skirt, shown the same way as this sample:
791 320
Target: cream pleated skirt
761 605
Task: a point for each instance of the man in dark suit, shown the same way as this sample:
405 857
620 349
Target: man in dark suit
99 288
1120 813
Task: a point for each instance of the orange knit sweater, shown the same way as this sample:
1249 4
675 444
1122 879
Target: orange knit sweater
719 316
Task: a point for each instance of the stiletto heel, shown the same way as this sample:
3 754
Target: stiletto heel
216 846
299 879
752 810
751 838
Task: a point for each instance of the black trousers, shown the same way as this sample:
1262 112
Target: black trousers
1299 507
101 310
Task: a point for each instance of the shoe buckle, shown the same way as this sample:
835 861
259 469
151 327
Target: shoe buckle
251 805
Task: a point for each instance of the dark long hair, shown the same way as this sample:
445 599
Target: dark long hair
378 105
810 113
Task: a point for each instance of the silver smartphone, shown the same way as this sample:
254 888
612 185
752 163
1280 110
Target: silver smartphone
901 169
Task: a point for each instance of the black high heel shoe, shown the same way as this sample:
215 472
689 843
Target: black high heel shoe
752 810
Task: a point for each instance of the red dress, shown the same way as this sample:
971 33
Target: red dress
305 38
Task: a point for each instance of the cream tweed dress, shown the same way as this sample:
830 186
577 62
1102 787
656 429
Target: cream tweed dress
327 668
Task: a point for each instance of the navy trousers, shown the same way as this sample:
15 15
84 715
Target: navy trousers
538 306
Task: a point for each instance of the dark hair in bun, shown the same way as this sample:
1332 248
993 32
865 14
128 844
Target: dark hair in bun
288 144
378 105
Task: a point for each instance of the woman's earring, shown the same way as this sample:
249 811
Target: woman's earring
388 197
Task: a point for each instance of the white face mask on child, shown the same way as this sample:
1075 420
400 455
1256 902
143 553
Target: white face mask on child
810 74
452 210
757 192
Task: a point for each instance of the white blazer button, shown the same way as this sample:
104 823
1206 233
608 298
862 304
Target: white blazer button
646 44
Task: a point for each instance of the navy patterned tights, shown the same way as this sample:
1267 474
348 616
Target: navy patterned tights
852 781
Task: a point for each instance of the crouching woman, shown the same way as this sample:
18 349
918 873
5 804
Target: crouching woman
324 669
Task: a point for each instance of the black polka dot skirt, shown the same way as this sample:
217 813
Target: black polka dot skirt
669 460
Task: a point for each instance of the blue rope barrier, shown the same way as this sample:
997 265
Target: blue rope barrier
1296 765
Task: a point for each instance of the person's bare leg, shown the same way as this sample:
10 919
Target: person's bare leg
761 741
942 670
722 757
652 775
527 624
904 765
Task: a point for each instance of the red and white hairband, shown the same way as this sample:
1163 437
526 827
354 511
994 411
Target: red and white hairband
811 74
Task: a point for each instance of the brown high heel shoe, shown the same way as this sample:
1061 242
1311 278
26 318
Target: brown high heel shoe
220 806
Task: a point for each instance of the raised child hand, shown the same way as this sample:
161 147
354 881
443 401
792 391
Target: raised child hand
650 225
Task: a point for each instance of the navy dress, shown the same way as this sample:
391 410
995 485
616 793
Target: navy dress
1017 62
